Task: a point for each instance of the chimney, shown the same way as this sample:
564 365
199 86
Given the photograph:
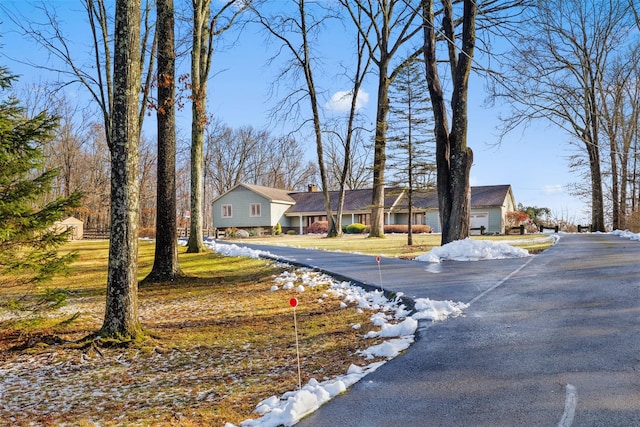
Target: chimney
313 188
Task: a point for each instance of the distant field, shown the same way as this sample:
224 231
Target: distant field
392 245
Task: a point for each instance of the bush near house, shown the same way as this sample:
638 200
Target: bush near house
404 228
322 227
355 228
277 230
318 227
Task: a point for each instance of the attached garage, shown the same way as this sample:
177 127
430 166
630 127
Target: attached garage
479 220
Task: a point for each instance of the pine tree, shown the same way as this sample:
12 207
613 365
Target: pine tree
28 242
410 135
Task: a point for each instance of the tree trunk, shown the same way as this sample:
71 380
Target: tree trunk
121 314
165 264
597 199
453 157
410 220
199 73
379 151
615 189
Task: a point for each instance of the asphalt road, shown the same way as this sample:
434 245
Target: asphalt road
550 340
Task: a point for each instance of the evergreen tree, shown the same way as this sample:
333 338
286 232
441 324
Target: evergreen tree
410 135
28 242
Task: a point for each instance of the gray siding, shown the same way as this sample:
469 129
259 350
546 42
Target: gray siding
432 219
240 200
289 208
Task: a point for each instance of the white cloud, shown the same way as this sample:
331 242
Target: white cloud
553 189
340 102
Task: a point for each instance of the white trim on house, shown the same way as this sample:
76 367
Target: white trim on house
256 210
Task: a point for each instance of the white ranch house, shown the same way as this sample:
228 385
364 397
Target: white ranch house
253 207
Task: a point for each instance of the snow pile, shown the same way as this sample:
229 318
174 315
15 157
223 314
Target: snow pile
437 310
230 249
472 250
291 407
391 316
626 234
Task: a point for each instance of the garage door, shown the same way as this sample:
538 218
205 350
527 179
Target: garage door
479 220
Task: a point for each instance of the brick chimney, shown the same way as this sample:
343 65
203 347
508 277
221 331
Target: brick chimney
313 188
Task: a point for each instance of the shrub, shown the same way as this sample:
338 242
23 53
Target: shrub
404 228
291 232
277 229
147 232
633 222
318 227
515 218
355 228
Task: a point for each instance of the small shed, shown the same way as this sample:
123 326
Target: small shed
74 224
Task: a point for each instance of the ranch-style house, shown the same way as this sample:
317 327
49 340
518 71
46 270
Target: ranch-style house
257 208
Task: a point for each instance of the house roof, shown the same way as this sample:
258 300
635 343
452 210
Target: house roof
360 200
490 195
70 220
272 194
355 200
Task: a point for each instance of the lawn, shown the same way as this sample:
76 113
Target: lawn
218 342
392 245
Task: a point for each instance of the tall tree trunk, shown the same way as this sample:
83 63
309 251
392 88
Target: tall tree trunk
379 150
317 126
615 188
121 314
165 264
592 143
597 198
200 61
453 157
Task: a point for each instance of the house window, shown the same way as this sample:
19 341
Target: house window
226 211
255 209
363 219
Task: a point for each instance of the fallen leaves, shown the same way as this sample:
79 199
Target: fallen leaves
219 348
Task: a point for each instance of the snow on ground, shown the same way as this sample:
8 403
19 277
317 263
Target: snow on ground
394 320
626 234
472 250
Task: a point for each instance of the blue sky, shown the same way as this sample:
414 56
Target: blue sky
532 160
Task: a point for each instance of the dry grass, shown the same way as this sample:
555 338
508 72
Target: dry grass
219 342
392 245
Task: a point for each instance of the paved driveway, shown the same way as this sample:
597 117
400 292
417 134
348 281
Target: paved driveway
550 340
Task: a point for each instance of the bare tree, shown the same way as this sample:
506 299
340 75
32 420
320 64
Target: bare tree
207 27
116 91
95 209
166 267
229 152
556 70
361 69
256 157
284 167
95 77
295 29
620 108
121 313
386 26
453 156
358 174
147 178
